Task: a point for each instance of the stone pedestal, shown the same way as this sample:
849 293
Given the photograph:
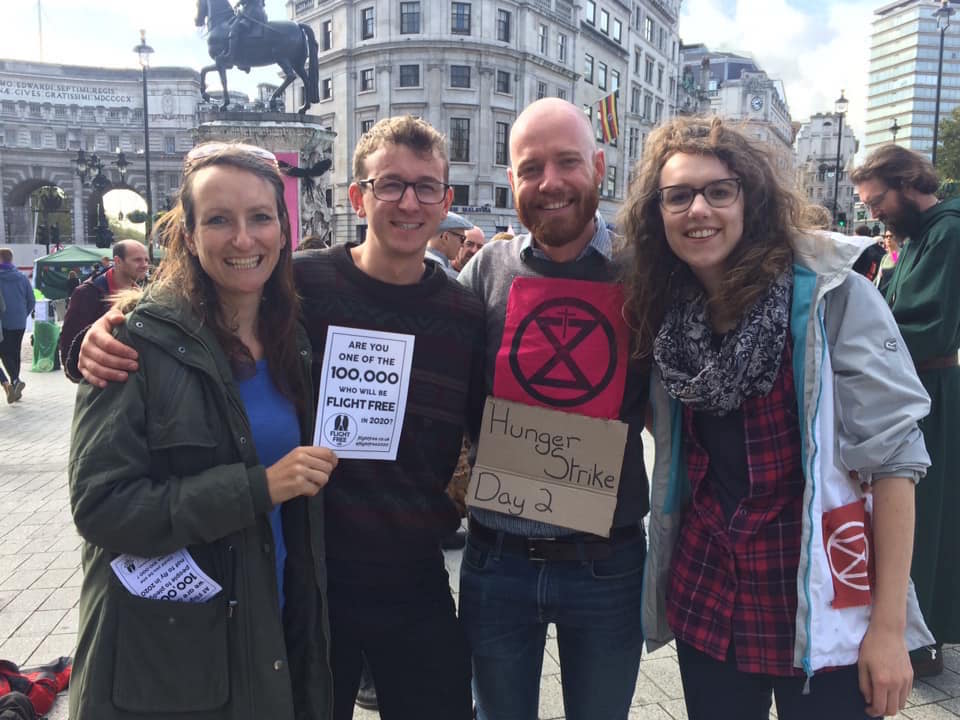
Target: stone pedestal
298 140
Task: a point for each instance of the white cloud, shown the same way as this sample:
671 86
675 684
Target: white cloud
816 50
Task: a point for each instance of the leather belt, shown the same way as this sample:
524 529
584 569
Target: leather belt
576 547
938 363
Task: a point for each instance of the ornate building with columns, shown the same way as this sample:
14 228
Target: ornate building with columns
49 112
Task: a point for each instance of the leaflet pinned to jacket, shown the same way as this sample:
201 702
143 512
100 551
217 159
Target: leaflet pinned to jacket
174 577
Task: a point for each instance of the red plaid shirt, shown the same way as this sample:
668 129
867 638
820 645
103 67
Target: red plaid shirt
738 580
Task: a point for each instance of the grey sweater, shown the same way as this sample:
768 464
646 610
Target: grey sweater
490 274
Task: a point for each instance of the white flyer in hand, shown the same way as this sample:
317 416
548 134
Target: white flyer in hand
363 392
175 577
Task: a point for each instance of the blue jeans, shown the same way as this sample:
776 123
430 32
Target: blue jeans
506 603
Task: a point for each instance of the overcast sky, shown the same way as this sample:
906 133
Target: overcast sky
815 47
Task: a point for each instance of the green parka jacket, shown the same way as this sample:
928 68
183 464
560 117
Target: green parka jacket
166 461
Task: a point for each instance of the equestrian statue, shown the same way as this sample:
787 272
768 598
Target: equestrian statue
244 38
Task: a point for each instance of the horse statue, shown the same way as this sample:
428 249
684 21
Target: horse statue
247 39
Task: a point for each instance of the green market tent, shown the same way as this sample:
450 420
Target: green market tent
51 271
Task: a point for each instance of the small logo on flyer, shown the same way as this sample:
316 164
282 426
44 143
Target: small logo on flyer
340 430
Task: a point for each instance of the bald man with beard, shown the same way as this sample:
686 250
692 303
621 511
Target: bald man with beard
518 575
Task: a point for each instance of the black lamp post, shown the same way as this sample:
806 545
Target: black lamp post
88 166
143 53
942 14
894 129
841 107
122 166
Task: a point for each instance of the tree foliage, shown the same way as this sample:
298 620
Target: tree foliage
948 150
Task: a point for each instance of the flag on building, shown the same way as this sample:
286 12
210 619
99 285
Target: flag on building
608 118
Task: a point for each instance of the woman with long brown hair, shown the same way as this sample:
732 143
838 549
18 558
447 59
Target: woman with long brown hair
201 463
785 417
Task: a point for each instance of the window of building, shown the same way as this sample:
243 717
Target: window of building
460 76
503 81
460 141
60 111
561 47
590 13
169 144
503 25
113 143
460 18
366 79
326 32
113 114
137 116
662 42
633 142
648 29
61 141
614 80
605 22
561 93
673 87
541 89
366 23
35 110
659 77
461 194
542 39
365 126
635 100
617 30
409 18
602 76
409 76
89 142
326 89
611 187
500 154
658 111
361 232
648 71
648 106
588 68
637 59
11 138
501 196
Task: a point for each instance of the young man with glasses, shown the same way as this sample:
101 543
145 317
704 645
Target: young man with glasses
388 591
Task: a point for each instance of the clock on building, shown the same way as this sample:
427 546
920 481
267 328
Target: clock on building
756 102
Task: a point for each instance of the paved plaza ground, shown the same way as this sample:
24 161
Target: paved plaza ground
40 568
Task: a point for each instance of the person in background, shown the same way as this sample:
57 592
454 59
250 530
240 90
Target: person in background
472 244
444 246
785 412
868 264
206 449
891 243
501 236
19 301
899 186
93 298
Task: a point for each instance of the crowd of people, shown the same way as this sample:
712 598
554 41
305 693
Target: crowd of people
795 536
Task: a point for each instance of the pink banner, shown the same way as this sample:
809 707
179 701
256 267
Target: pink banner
291 194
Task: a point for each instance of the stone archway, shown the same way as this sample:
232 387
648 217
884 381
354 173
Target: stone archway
30 207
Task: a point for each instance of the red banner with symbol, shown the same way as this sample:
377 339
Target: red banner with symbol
565 346
848 542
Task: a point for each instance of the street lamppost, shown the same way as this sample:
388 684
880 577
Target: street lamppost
894 129
143 52
93 165
942 14
841 107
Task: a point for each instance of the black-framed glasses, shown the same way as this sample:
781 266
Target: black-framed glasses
719 194
428 192
460 238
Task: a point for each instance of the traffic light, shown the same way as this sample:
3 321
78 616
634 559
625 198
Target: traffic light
841 220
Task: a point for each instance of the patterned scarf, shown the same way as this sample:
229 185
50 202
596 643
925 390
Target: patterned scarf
747 362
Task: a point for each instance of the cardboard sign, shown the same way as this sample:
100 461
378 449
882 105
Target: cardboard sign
564 346
363 392
550 466
847 540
